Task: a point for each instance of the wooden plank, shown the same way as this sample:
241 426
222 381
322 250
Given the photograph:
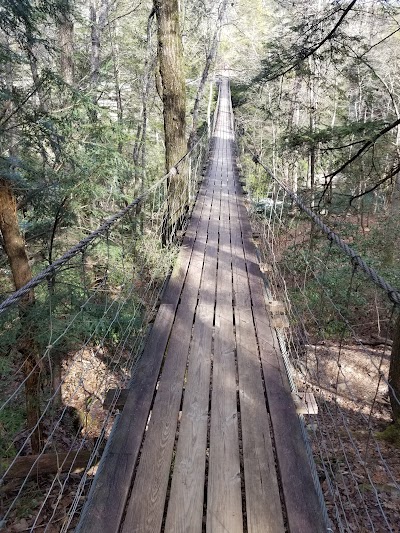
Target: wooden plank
305 403
185 509
224 504
106 501
145 509
303 509
276 308
263 505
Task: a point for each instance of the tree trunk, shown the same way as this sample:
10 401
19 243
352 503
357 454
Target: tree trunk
66 45
113 31
31 52
170 54
14 247
95 49
394 374
139 149
98 21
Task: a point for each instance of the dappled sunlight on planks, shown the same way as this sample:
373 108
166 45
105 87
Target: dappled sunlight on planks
207 460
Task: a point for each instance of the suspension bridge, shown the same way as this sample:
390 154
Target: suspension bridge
202 425
212 421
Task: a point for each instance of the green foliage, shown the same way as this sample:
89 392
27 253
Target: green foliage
8 338
29 502
12 416
239 93
323 283
12 421
391 434
381 247
341 133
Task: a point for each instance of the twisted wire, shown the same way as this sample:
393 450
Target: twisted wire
16 296
393 294
327 441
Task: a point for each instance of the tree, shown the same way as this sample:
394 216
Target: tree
66 41
12 238
394 375
170 56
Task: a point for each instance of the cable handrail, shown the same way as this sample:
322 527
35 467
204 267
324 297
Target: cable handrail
357 260
331 320
16 296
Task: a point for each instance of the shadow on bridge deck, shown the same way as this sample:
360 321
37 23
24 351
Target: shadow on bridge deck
209 438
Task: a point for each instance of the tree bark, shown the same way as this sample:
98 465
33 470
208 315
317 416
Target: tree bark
12 238
170 55
66 45
98 21
14 247
113 31
394 374
31 52
139 149
95 49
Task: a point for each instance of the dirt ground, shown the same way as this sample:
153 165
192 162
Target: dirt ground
46 503
359 472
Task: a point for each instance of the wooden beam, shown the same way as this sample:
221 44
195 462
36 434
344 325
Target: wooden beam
115 399
305 403
276 308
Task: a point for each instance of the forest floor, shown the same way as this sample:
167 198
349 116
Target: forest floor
359 472
45 502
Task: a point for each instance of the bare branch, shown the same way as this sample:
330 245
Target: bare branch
312 51
125 14
391 175
363 149
330 148
379 42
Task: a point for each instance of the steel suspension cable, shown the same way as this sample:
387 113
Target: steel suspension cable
356 259
16 296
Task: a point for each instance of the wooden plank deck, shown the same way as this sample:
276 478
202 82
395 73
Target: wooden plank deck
213 382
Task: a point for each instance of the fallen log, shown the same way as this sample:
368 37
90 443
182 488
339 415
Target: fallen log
47 463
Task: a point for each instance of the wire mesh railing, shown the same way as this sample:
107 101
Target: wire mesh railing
339 327
67 355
